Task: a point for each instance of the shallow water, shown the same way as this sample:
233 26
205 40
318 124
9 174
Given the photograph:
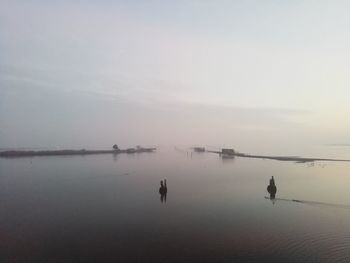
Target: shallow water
105 208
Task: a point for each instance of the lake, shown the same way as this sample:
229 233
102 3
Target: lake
107 208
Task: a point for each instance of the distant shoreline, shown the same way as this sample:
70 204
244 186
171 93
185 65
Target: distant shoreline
285 158
73 152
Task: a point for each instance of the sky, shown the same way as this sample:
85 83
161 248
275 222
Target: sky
246 74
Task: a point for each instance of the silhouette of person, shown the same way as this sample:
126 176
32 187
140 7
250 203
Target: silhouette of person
163 191
272 189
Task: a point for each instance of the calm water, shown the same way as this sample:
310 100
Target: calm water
106 208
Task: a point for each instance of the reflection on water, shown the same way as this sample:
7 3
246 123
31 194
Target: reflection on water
78 209
313 203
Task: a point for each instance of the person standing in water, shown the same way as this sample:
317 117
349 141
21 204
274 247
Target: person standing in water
271 188
163 190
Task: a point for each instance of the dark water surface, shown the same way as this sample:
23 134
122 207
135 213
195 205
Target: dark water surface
106 208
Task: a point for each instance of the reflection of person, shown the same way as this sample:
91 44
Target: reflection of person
163 191
271 188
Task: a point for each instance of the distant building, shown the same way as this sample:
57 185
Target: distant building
199 149
227 151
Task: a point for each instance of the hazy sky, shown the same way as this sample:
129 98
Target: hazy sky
242 73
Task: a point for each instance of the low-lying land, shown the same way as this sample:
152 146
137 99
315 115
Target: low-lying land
284 158
73 152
